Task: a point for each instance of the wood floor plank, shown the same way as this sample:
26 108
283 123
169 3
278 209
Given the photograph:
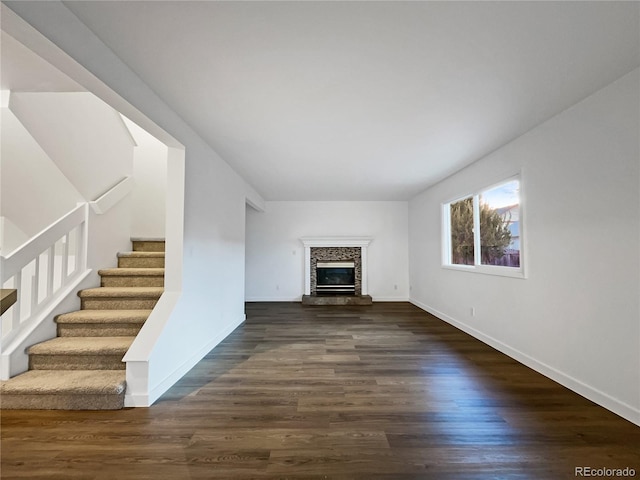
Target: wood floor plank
381 392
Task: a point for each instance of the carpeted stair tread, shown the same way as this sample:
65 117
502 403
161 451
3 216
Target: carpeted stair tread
148 245
104 316
141 254
141 259
65 382
130 271
123 292
82 346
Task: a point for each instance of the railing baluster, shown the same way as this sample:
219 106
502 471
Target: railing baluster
71 230
35 286
74 252
65 259
51 252
15 321
83 240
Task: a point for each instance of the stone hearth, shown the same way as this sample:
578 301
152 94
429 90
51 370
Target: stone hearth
337 300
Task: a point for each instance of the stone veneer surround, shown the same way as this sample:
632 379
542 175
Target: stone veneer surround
336 248
336 254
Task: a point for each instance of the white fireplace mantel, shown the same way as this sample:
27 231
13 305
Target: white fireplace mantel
308 242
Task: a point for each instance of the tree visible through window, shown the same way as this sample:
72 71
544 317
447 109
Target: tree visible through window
462 242
499 225
484 229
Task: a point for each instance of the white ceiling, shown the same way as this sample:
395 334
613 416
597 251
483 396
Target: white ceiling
365 100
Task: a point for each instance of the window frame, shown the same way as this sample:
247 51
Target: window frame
478 267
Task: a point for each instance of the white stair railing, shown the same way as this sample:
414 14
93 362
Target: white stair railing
41 268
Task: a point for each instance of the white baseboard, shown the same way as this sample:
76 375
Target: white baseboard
390 299
601 398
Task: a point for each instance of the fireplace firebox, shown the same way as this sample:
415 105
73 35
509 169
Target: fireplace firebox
335 278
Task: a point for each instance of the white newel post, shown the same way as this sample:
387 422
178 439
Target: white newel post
362 242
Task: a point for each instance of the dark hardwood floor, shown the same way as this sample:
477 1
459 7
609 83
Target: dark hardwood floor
379 392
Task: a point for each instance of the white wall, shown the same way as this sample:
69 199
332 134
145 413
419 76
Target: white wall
150 192
85 150
11 236
212 302
576 316
275 255
85 137
33 191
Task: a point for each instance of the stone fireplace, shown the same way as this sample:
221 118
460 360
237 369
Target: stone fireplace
321 256
330 262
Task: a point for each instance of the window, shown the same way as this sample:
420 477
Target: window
461 231
482 232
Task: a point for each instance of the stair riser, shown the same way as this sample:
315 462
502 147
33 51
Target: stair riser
141 281
147 246
76 362
118 303
62 402
99 330
140 262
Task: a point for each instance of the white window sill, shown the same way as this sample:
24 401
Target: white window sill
488 270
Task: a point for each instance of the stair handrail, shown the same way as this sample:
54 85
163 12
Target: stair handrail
53 259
